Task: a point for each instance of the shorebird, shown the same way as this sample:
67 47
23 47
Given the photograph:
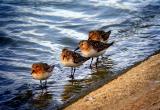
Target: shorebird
99 35
41 71
72 59
91 48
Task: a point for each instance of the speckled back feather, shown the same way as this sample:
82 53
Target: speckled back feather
99 46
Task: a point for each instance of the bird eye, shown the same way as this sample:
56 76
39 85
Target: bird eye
83 43
36 66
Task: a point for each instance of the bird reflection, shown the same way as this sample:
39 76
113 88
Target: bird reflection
75 87
41 100
103 63
72 87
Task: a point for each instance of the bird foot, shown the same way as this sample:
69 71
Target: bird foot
90 66
71 76
43 86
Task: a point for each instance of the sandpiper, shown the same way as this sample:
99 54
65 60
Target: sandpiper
41 71
99 35
91 48
72 59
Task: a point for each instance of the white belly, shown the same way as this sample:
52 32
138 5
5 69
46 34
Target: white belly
70 63
92 53
43 76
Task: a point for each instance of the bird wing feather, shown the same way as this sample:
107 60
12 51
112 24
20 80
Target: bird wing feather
77 58
99 46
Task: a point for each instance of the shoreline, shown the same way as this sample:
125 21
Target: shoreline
128 91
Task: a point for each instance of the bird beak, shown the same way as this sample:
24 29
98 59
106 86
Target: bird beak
53 66
76 48
109 32
32 72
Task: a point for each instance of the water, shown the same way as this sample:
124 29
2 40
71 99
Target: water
33 31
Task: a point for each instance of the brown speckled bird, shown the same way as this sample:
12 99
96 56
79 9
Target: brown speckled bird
99 35
91 48
41 71
72 59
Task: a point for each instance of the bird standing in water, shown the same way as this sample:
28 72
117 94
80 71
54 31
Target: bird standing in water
72 59
41 71
99 35
91 48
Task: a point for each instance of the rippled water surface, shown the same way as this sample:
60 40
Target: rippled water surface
36 31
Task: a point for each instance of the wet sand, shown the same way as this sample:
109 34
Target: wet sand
137 89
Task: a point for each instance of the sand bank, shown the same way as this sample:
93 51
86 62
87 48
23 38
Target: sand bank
137 89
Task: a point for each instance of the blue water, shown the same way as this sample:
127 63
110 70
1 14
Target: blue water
36 31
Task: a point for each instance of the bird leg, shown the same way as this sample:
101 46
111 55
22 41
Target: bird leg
102 57
91 63
74 69
71 72
45 84
97 61
41 83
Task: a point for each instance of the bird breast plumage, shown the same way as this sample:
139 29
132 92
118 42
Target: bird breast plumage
42 76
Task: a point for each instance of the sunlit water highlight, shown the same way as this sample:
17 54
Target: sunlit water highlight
34 31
